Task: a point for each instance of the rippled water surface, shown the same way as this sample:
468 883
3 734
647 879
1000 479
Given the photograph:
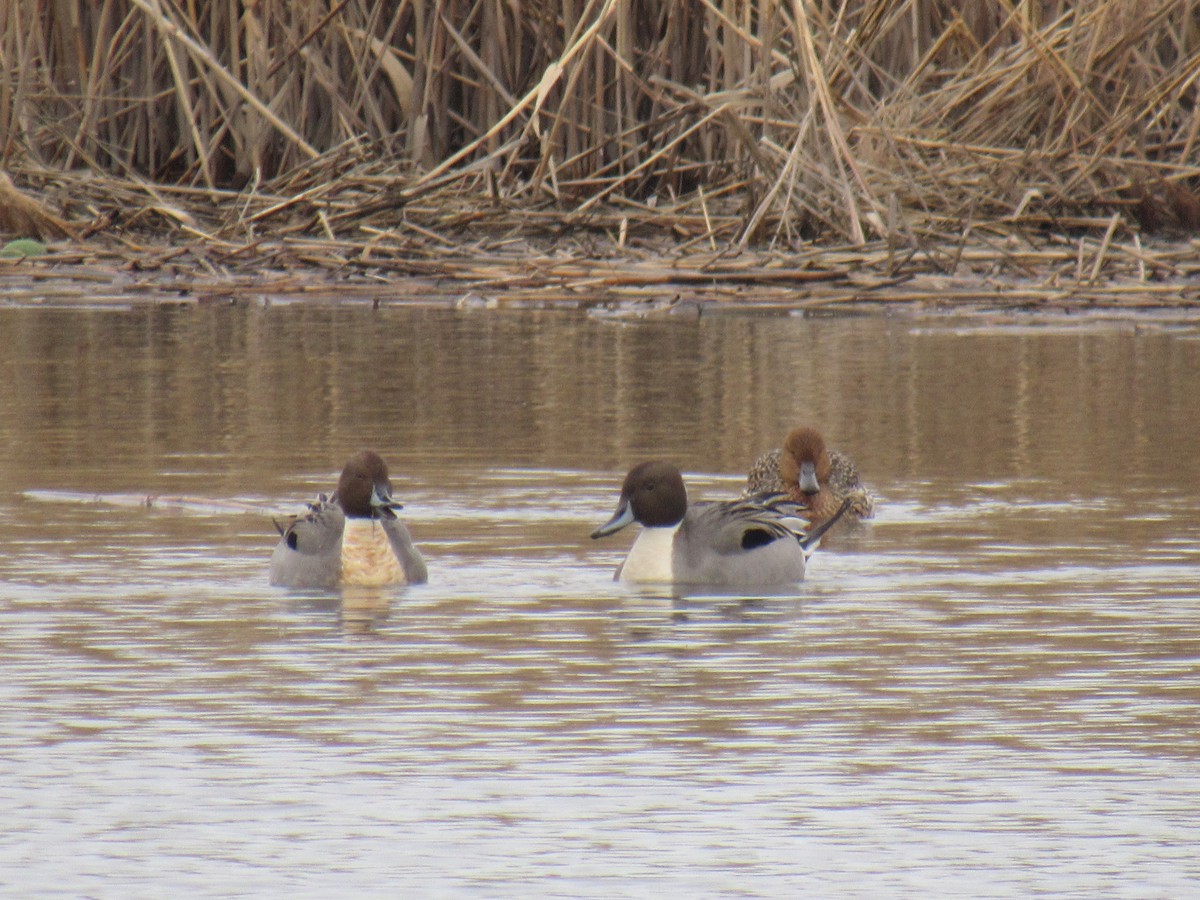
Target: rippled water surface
991 689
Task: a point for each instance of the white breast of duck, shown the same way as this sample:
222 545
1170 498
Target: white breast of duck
368 559
651 557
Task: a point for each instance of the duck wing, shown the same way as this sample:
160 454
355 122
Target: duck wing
743 543
844 480
737 526
764 475
772 516
309 550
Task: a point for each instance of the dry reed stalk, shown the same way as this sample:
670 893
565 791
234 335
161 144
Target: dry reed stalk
22 216
731 124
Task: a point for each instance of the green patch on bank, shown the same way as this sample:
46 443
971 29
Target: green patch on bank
21 248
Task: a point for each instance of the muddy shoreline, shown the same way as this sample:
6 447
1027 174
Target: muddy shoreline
1164 283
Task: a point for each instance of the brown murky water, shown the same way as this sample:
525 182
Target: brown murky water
994 688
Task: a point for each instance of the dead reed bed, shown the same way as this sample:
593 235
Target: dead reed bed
699 142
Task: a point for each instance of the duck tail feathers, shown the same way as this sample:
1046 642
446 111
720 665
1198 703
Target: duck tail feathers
810 540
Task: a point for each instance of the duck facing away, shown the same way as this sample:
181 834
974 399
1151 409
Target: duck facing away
351 538
819 480
754 542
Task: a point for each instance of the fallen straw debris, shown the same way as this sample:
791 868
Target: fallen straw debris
794 154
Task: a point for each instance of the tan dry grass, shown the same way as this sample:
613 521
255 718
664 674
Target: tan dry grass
419 127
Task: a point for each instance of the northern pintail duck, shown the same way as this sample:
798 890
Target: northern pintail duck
351 538
748 543
819 480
